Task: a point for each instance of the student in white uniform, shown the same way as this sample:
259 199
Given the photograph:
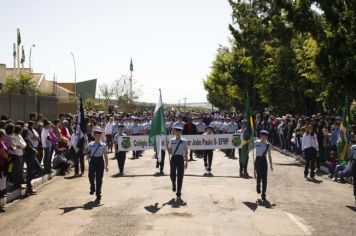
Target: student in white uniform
178 148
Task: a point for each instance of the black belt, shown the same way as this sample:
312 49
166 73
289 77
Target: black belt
97 156
178 156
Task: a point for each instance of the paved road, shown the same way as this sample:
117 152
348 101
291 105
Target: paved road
141 204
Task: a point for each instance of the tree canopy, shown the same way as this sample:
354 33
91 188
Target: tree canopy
295 56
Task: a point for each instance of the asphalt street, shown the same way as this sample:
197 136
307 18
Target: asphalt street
142 204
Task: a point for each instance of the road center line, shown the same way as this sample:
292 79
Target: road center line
298 223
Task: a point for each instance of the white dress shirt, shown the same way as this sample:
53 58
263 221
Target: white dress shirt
310 141
20 144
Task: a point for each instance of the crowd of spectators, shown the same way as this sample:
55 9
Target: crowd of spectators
44 145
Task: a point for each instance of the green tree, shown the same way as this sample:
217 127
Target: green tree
21 84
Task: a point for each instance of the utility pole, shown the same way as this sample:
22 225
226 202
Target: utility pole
185 104
131 70
29 59
75 76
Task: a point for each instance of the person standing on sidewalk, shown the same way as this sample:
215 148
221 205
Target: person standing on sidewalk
310 148
97 151
178 148
353 160
263 148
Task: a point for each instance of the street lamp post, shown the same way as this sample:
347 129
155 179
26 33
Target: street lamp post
75 75
29 59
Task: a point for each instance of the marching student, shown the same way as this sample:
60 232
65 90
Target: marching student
97 151
120 155
263 148
136 130
200 130
231 128
208 154
178 148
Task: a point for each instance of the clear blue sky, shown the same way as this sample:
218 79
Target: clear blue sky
172 43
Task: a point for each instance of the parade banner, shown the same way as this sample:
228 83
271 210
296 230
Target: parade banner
195 142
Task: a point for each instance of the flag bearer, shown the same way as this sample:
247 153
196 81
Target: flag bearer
97 151
178 148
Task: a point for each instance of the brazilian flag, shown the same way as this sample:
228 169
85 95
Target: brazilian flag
247 136
344 138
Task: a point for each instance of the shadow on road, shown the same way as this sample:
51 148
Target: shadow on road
290 164
87 206
351 208
174 203
72 177
216 176
130 176
315 181
153 208
254 205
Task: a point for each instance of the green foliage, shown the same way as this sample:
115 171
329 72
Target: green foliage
288 55
353 112
23 84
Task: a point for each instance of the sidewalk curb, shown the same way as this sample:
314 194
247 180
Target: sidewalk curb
16 194
301 159
298 158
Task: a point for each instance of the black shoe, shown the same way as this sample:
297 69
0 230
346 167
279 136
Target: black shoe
157 165
92 191
121 174
174 188
264 198
98 199
258 189
161 173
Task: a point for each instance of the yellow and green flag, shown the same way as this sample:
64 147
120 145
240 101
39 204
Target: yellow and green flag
343 143
247 136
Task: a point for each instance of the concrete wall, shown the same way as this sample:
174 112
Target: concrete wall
2 73
18 107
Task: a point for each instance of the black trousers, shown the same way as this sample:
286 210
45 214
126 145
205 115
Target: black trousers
17 170
208 159
177 170
136 154
109 142
96 173
310 155
121 157
261 171
353 171
79 160
243 166
30 163
161 164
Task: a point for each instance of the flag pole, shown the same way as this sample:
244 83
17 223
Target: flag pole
169 155
18 51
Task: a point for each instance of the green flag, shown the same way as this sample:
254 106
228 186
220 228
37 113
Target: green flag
18 36
158 126
14 51
343 142
131 65
23 55
247 133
